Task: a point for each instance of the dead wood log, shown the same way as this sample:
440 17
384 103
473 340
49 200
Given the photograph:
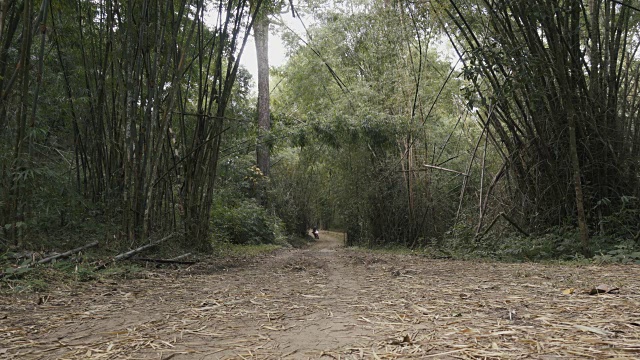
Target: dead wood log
166 261
180 257
48 259
445 169
509 220
68 253
130 253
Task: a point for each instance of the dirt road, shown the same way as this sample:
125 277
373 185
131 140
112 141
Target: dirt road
333 303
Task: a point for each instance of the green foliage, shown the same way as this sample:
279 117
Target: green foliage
357 121
118 147
79 270
55 214
562 243
23 274
120 271
458 239
545 247
243 221
236 215
294 190
625 253
121 126
623 220
17 271
40 278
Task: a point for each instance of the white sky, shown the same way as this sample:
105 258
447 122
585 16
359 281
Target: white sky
276 55
277 50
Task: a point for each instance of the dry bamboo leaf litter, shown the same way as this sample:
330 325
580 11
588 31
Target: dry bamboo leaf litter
340 304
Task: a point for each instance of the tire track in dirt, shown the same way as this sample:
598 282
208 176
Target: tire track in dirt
333 325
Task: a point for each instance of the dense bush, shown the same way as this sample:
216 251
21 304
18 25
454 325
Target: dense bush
244 221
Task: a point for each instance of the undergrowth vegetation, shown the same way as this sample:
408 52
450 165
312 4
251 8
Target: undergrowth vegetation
20 273
244 221
559 244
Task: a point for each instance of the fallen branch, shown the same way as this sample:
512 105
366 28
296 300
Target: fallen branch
445 169
180 257
24 268
513 223
130 253
166 261
68 253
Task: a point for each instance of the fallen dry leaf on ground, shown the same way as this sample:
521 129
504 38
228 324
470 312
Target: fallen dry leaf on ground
341 304
604 289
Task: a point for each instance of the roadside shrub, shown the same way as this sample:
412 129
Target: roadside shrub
458 240
625 252
244 222
535 248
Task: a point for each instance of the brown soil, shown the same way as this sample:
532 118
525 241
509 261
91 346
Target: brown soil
334 303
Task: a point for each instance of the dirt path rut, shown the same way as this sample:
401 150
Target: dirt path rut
330 302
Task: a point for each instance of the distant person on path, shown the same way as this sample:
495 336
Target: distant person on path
315 232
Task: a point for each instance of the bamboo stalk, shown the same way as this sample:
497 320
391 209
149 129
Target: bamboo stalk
128 254
180 257
509 220
166 261
444 169
51 258
70 252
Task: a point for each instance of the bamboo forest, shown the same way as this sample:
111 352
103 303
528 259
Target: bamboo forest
309 179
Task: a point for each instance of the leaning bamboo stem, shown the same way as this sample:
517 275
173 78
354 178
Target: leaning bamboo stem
444 169
51 258
68 253
509 220
128 254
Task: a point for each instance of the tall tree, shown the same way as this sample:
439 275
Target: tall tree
261 35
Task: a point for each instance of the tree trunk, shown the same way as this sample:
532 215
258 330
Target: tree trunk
261 33
577 183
